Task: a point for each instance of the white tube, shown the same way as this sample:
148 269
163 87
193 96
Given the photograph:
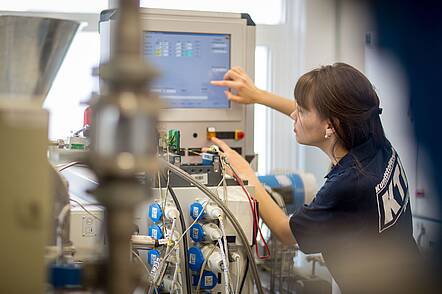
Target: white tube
225 268
175 273
63 214
237 258
61 217
142 240
172 229
226 248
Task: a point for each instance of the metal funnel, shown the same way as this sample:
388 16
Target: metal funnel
31 52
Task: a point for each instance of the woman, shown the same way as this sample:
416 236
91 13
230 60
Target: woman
360 220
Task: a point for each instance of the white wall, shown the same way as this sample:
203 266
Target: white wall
320 49
320 33
334 31
353 21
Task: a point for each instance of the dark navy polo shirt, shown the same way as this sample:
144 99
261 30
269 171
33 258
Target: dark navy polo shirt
360 220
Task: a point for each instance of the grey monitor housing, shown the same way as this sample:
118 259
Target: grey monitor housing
194 122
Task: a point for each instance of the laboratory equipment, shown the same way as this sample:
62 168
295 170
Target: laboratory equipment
189 49
31 52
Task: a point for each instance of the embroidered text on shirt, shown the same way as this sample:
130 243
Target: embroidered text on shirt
392 193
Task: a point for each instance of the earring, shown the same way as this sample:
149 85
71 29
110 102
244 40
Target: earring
328 133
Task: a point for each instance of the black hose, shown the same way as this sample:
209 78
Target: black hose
185 244
246 270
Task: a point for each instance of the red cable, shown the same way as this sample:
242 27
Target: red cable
266 247
253 202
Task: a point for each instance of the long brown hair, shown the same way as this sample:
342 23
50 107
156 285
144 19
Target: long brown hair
342 94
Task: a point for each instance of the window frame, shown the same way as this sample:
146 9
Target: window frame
283 153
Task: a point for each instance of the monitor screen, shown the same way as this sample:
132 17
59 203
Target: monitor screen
188 62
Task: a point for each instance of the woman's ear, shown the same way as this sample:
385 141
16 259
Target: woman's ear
330 130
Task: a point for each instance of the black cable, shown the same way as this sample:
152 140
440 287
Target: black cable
244 276
185 244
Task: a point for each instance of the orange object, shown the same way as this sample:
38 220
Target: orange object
211 132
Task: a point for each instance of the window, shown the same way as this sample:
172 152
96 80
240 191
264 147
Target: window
261 11
73 85
55 5
262 81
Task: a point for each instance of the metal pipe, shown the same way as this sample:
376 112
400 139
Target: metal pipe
127 32
120 278
123 143
119 197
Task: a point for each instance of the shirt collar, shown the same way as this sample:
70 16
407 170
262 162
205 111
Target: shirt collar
361 152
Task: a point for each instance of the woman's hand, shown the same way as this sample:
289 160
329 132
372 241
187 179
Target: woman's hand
236 78
238 163
272 214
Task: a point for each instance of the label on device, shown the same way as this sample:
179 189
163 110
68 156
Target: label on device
202 178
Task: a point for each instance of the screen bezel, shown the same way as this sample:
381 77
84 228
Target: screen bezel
237 57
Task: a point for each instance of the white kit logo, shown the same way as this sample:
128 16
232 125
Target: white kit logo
392 193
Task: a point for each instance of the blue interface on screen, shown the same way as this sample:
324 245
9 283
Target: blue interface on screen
188 62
